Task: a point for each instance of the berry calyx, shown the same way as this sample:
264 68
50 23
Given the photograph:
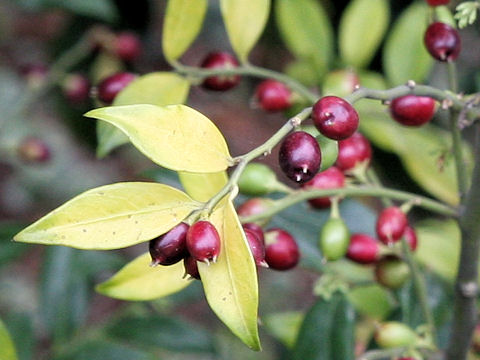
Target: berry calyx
33 150
442 41
257 247
257 179
391 224
411 110
394 334
300 156
255 228
392 272
281 250
334 239
203 241
437 2
171 247
363 249
331 178
127 46
76 88
220 60
334 117
191 267
109 87
411 237
273 95
353 151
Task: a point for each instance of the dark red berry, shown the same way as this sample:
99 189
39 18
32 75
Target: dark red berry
442 41
281 250
273 95
127 46
332 178
257 229
171 247
33 150
334 117
220 60
392 272
109 87
352 151
300 156
203 241
411 237
257 247
76 88
411 110
437 2
391 224
191 267
363 249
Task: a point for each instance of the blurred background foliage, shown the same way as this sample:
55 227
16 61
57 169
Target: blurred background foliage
47 303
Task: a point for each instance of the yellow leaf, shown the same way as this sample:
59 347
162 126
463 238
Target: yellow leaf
183 21
231 284
7 347
138 281
202 186
245 21
176 137
112 217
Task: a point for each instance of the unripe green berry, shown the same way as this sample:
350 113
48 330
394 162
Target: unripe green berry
340 82
334 239
395 334
257 179
392 272
329 150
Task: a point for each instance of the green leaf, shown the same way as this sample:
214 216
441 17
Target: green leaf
306 30
244 21
156 331
157 88
112 217
404 54
230 284
8 249
176 136
183 21
7 348
20 325
371 300
343 333
362 28
138 281
202 186
284 326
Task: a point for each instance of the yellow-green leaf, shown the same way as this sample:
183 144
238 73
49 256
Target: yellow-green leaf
176 137
202 186
138 281
284 326
112 217
158 88
362 29
230 284
244 21
183 21
7 347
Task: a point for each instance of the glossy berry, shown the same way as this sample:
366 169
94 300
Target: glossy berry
437 2
394 334
391 224
411 110
334 117
220 60
191 267
255 228
257 247
334 239
353 151
255 206
281 250
442 41
300 156
363 249
170 247
203 241
392 272
76 88
109 87
257 179
329 150
127 46
340 82
411 237
33 150
331 178
272 95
